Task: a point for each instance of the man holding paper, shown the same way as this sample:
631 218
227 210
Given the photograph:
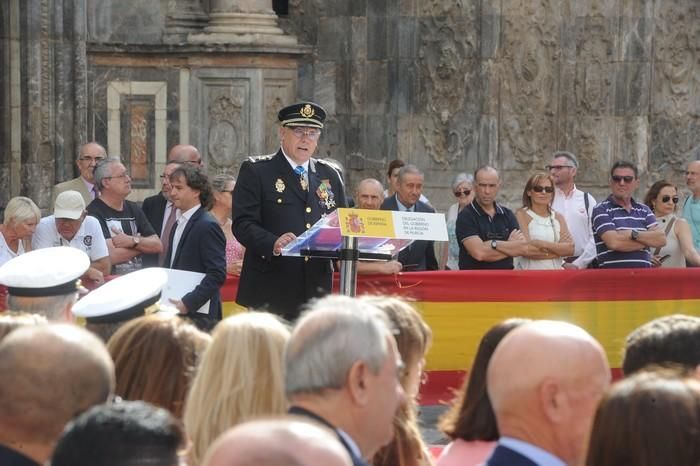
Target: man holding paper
197 244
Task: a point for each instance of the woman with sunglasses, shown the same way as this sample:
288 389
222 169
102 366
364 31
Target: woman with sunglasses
544 228
662 199
463 190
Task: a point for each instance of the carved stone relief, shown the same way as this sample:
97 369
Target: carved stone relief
228 136
449 78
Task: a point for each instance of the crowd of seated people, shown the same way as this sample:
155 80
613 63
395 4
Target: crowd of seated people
341 386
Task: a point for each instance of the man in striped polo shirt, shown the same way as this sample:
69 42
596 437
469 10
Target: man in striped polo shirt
624 229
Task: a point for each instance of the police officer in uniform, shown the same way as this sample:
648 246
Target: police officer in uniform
276 198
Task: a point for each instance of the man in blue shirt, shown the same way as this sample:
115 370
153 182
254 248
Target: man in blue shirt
624 229
691 206
545 380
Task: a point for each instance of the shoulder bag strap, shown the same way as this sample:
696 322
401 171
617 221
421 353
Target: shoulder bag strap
668 229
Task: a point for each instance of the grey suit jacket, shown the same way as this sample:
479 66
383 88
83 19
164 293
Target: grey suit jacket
76 184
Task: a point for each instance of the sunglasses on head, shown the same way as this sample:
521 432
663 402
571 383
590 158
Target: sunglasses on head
465 193
626 179
546 189
669 198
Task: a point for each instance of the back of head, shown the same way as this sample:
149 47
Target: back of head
277 442
673 339
412 334
413 338
648 419
471 416
129 433
154 358
544 380
245 355
11 320
50 373
536 351
336 332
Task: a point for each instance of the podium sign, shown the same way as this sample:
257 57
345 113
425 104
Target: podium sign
392 224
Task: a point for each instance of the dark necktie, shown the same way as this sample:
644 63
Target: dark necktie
165 237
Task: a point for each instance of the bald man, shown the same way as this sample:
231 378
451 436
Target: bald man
50 374
89 155
185 153
281 442
370 195
545 380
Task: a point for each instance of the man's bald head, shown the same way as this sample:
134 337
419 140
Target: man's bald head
369 194
50 374
185 153
280 442
544 381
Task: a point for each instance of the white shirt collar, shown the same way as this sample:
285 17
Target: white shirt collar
188 214
402 207
293 164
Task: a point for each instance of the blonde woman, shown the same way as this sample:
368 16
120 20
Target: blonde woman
20 221
413 338
240 378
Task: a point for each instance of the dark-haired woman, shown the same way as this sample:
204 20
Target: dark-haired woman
470 421
662 199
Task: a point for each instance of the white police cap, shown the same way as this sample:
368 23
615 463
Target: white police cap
123 298
45 272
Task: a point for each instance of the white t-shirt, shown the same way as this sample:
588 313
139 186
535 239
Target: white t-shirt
89 237
6 253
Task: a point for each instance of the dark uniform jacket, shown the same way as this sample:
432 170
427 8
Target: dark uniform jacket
420 255
268 201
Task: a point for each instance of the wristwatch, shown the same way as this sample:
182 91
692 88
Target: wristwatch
634 235
137 240
494 244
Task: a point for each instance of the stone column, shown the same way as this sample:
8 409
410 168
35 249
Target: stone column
243 22
184 17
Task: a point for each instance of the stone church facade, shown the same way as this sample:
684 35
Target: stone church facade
448 85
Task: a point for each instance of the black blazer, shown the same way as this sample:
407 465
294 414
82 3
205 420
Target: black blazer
154 209
504 456
356 461
268 201
420 255
202 248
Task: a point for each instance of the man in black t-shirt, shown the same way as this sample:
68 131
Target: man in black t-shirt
488 232
125 226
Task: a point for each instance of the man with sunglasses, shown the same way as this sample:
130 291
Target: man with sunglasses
576 206
276 198
89 155
624 229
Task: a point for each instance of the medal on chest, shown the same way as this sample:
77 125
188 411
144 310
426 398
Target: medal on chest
325 195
